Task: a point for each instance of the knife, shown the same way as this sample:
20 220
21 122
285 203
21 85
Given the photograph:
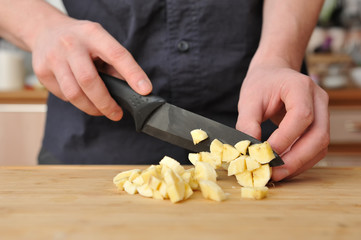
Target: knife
154 116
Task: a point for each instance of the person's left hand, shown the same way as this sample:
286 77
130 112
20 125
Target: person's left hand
297 104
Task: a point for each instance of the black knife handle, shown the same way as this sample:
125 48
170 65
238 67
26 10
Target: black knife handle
139 106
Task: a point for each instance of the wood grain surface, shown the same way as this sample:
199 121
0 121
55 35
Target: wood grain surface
80 202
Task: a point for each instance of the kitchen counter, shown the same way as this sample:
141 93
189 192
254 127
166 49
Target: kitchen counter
81 202
38 96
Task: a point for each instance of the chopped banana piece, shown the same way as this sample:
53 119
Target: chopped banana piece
187 191
138 181
245 179
242 146
254 193
262 175
145 191
154 183
204 171
175 186
225 165
216 148
198 135
157 195
130 187
261 152
212 190
229 153
252 164
193 183
172 164
236 166
120 184
194 158
208 157
134 175
163 189
125 174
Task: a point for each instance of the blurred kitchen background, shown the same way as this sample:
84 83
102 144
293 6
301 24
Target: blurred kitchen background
333 58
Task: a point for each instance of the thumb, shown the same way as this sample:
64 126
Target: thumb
250 116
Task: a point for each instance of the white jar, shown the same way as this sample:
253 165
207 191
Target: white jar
12 70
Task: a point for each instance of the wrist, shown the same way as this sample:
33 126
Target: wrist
274 57
44 22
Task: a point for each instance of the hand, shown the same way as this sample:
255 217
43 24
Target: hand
297 104
63 59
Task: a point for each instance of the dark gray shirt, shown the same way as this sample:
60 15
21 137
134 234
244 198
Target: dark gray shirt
196 53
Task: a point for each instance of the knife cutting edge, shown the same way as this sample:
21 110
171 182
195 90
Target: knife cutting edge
154 116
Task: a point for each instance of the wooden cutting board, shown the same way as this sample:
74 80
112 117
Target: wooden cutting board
80 202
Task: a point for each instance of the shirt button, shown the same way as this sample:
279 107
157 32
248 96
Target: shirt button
183 46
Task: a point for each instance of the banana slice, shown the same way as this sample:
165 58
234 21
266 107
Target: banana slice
261 152
198 135
125 174
208 157
216 148
242 146
237 166
254 193
252 164
245 179
130 187
175 186
262 175
194 158
145 190
204 171
172 164
229 153
212 190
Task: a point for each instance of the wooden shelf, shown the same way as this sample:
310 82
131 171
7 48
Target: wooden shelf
345 97
326 58
24 97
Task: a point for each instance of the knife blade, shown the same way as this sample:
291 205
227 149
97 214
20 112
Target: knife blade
154 116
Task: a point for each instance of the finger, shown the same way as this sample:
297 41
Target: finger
103 67
89 81
310 164
299 115
250 115
310 145
46 77
280 173
116 55
72 91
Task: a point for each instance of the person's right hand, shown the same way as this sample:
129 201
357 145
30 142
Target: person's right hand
63 59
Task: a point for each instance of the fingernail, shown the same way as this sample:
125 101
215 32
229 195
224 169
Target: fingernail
116 116
144 86
281 174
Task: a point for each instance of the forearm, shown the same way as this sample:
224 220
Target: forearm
22 20
287 27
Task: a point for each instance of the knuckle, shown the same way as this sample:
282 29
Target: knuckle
305 114
117 53
68 41
93 112
72 93
41 71
86 79
135 73
324 96
105 106
325 140
91 27
307 81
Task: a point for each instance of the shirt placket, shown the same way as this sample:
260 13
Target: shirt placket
183 51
